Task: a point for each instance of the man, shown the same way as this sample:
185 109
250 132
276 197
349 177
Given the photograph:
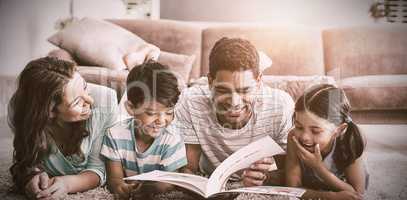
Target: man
232 110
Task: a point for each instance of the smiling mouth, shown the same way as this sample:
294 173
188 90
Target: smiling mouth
309 147
235 112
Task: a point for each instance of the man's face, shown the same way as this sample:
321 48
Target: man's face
233 94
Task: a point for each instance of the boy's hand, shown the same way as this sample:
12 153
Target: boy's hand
126 190
256 175
312 160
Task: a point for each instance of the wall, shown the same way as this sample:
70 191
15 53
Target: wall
316 13
26 24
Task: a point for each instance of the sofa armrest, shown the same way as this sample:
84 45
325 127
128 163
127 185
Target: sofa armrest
115 79
62 54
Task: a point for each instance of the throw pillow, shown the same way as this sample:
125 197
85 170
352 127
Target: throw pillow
264 61
100 43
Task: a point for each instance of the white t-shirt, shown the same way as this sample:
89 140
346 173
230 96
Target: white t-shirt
196 119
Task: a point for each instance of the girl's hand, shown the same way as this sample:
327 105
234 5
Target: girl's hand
346 195
57 189
312 160
37 184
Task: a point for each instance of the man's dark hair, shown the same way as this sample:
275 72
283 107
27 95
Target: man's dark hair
152 81
233 54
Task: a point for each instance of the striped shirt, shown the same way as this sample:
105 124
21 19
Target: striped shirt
167 152
195 117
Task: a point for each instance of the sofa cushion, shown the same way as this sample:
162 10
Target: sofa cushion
376 92
100 43
296 85
115 79
294 51
179 63
361 51
62 54
171 36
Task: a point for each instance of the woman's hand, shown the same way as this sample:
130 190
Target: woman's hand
57 189
312 160
256 175
37 184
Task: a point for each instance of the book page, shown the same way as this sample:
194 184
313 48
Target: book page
241 159
277 190
189 181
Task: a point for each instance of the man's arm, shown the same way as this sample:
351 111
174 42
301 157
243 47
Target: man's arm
193 155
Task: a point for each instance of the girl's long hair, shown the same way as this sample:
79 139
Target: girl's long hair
40 89
330 102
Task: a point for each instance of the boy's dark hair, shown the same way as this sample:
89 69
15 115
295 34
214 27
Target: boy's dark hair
330 102
152 81
233 54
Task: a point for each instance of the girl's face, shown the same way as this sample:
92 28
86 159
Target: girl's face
311 130
151 118
76 102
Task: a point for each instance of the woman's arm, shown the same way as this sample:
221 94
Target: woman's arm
60 186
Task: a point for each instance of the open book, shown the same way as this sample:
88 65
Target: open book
241 159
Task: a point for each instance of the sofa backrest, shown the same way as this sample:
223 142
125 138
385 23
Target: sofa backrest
294 51
359 51
171 36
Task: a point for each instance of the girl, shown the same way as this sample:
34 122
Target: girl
58 130
325 148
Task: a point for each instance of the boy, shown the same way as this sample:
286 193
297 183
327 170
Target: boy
142 144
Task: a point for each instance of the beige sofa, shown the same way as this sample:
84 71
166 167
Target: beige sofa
370 63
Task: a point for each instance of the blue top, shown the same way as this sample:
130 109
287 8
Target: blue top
104 115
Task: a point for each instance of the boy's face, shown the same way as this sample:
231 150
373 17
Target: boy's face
151 117
233 93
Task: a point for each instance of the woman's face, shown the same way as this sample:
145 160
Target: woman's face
76 102
311 130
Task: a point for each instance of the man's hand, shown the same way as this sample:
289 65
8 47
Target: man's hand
257 173
37 184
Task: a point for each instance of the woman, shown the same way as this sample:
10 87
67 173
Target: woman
59 122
